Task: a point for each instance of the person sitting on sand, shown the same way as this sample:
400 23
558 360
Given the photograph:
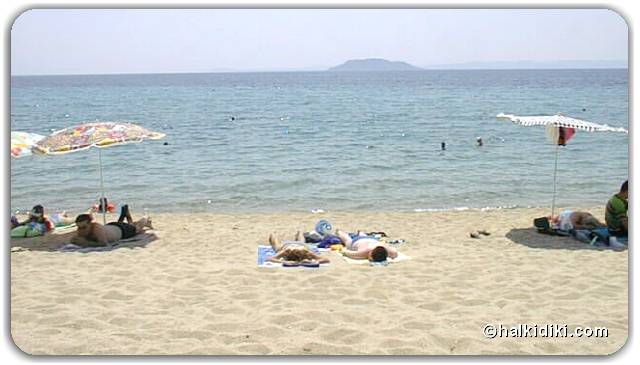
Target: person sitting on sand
365 247
616 212
569 220
92 234
293 252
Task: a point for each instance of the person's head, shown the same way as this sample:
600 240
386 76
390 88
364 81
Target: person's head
378 254
83 222
624 189
297 254
37 212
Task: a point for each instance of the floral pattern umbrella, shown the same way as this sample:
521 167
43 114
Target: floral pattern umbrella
94 134
21 143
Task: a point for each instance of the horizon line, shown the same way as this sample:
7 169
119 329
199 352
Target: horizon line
323 70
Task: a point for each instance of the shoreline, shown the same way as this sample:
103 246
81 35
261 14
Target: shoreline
319 211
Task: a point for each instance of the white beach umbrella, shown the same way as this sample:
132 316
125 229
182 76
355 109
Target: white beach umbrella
559 121
559 129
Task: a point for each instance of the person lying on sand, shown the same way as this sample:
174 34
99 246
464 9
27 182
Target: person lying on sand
365 247
293 252
568 220
92 234
36 215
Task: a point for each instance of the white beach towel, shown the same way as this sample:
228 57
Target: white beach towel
400 257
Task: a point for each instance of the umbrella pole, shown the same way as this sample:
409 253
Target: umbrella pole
555 174
104 208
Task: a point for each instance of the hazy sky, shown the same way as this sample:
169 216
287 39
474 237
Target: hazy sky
130 41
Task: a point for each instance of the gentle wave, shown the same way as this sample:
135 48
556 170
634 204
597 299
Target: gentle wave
482 209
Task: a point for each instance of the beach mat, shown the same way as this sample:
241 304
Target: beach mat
139 240
401 257
62 229
266 251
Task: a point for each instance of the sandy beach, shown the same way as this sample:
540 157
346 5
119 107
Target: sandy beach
197 289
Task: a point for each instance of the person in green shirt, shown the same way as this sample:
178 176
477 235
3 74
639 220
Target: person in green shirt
616 212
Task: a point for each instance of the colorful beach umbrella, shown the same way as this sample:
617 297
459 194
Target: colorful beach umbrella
94 134
559 129
22 142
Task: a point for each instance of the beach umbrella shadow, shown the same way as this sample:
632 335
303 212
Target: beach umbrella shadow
531 238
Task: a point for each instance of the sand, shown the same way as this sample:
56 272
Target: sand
196 289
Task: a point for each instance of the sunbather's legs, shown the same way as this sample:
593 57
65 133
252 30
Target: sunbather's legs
142 223
593 222
274 242
344 237
125 214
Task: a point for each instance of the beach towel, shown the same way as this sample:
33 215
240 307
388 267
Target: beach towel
401 257
597 237
266 251
139 240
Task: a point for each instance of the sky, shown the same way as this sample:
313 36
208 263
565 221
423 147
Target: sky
106 41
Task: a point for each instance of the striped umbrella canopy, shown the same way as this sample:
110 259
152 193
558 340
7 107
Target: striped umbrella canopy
559 121
94 134
22 142
559 129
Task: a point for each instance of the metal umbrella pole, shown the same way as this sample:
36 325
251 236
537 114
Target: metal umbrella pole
102 202
555 174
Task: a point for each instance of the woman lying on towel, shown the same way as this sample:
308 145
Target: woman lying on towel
568 220
37 224
294 252
366 247
92 234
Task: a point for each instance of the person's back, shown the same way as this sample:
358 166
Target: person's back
616 212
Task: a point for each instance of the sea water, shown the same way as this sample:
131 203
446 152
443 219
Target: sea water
271 142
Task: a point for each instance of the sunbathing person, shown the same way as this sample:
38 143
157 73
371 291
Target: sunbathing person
366 247
293 252
92 234
37 216
568 220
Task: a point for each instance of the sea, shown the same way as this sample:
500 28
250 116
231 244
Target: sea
325 141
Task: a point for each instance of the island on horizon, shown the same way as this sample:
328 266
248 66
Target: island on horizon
374 64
